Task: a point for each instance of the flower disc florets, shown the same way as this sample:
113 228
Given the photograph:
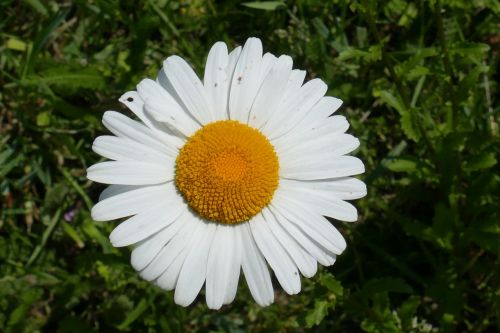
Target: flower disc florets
227 171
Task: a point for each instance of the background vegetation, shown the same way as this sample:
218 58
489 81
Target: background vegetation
419 80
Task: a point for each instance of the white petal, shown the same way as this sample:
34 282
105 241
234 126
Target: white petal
335 124
130 173
293 110
268 61
145 224
320 112
165 83
291 90
294 83
216 80
255 269
168 279
234 265
189 88
341 166
136 104
323 256
123 126
271 92
194 269
123 149
178 245
245 81
313 224
304 261
150 89
322 202
165 109
132 202
178 123
347 188
217 267
324 147
336 144
113 190
234 55
283 267
221 269
306 133
145 252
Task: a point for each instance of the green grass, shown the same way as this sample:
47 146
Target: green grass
419 80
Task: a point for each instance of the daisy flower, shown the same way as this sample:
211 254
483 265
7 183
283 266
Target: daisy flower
231 174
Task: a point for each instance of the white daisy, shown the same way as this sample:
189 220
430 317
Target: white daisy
233 173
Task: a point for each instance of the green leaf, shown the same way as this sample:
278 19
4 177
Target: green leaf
68 78
316 315
73 324
388 98
351 53
470 49
265 5
18 316
45 237
73 111
42 38
55 196
136 313
38 6
11 162
332 284
4 155
374 53
73 234
43 119
481 162
410 13
469 82
320 27
485 233
103 270
408 118
74 183
395 285
16 44
409 126
443 226
408 309
416 61
381 318
417 72
90 229
401 165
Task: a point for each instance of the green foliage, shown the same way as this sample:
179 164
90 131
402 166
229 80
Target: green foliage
419 80
265 5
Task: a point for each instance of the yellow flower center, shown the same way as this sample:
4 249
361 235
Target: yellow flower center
227 172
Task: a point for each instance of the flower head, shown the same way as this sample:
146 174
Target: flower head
235 173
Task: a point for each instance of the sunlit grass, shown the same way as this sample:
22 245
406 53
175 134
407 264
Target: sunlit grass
419 85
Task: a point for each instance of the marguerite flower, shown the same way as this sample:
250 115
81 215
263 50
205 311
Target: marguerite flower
235 173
